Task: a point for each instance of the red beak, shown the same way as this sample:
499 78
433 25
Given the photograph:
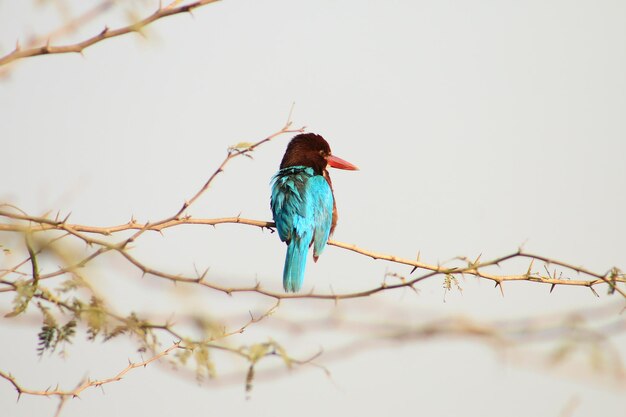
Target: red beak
337 162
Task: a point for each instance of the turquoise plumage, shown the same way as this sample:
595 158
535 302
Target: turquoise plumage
303 204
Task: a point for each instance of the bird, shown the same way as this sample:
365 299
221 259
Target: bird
303 203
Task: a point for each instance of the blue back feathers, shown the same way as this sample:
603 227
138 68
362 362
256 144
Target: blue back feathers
302 205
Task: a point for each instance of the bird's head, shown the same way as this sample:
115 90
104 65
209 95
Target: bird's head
311 150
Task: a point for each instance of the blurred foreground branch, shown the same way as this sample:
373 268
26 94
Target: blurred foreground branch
47 49
83 385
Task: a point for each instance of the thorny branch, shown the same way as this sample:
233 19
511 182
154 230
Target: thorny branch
574 334
106 33
103 240
73 24
474 268
131 324
254 354
31 226
83 385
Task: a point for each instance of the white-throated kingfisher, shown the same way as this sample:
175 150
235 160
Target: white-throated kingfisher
303 204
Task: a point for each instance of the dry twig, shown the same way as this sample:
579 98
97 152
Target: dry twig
103 239
83 385
106 33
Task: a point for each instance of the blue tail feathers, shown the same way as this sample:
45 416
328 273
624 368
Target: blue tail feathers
295 264
302 206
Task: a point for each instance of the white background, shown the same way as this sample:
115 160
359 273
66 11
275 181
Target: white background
478 126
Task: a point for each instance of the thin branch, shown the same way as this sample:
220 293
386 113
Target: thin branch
475 269
106 33
33 257
435 270
45 224
62 402
24 223
74 24
88 383
232 153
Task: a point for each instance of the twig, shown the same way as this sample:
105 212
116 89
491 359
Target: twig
88 383
106 33
472 268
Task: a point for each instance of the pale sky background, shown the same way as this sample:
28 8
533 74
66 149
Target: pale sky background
478 126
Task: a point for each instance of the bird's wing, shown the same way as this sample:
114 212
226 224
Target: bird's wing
290 203
320 200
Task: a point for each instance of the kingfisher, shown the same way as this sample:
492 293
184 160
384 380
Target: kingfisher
303 204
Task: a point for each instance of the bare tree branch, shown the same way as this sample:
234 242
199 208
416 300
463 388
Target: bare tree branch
73 24
475 269
29 285
83 385
106 33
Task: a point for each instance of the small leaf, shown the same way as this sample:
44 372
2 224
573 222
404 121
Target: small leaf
258 351
66 332
95 317
204 364
249 379
242 145
450 280
183 355
70 285
612 280
24 292
46 338
117 331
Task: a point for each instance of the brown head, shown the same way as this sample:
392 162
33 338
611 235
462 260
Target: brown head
311 150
